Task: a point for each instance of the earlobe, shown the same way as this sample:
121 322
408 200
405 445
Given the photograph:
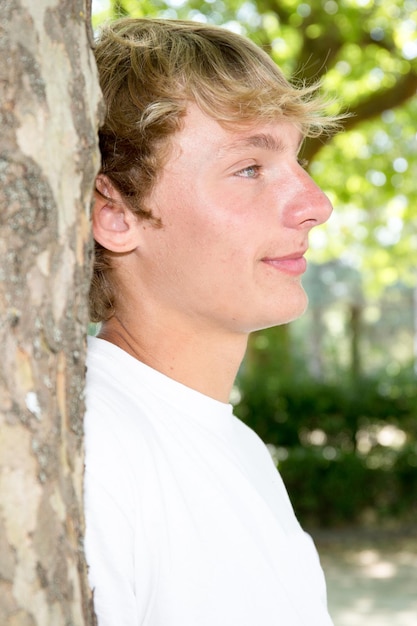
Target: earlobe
114 224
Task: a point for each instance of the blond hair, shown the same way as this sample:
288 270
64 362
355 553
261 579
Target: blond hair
149 70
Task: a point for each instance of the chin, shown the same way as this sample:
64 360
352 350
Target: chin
277 321
286 314
285 307
299 310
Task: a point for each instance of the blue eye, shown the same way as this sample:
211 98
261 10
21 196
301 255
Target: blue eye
252 171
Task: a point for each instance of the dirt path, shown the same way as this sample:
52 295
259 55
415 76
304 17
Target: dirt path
371 578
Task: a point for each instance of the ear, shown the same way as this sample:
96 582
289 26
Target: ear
115 227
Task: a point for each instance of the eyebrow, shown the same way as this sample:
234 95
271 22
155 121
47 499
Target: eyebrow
264 141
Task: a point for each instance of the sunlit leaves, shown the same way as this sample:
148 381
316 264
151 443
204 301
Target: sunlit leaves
371 176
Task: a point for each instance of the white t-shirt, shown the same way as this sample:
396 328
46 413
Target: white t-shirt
188 522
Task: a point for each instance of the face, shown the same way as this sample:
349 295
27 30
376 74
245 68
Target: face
236 210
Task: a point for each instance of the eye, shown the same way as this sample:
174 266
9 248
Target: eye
252 171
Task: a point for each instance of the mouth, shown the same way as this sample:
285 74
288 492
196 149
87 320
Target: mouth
294 264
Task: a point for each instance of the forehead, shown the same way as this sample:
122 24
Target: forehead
278 137
203 133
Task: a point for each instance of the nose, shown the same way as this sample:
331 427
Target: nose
309 206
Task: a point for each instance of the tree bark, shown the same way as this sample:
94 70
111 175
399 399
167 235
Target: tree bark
48 158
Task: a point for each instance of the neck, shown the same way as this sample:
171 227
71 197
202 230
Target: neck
203 361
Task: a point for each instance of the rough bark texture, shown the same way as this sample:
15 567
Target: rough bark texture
48 156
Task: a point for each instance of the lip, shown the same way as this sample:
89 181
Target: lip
294 264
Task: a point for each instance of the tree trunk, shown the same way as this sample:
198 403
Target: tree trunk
48 157
355 339
415 329
316 342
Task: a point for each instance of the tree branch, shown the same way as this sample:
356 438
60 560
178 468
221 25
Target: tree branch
369 108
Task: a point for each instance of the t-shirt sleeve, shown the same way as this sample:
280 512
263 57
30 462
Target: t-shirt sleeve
109 552
110 520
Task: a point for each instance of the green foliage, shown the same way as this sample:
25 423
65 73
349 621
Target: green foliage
348 489
327 492
369 174
343 448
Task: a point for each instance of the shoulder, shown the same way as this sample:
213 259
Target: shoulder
118 422
115 399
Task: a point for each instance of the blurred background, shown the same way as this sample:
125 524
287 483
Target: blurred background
334 394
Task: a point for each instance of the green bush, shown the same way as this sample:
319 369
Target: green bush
328 492
318 429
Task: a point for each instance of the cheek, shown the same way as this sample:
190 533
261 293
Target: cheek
201 225
209 226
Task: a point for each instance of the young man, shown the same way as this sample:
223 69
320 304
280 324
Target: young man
201 223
